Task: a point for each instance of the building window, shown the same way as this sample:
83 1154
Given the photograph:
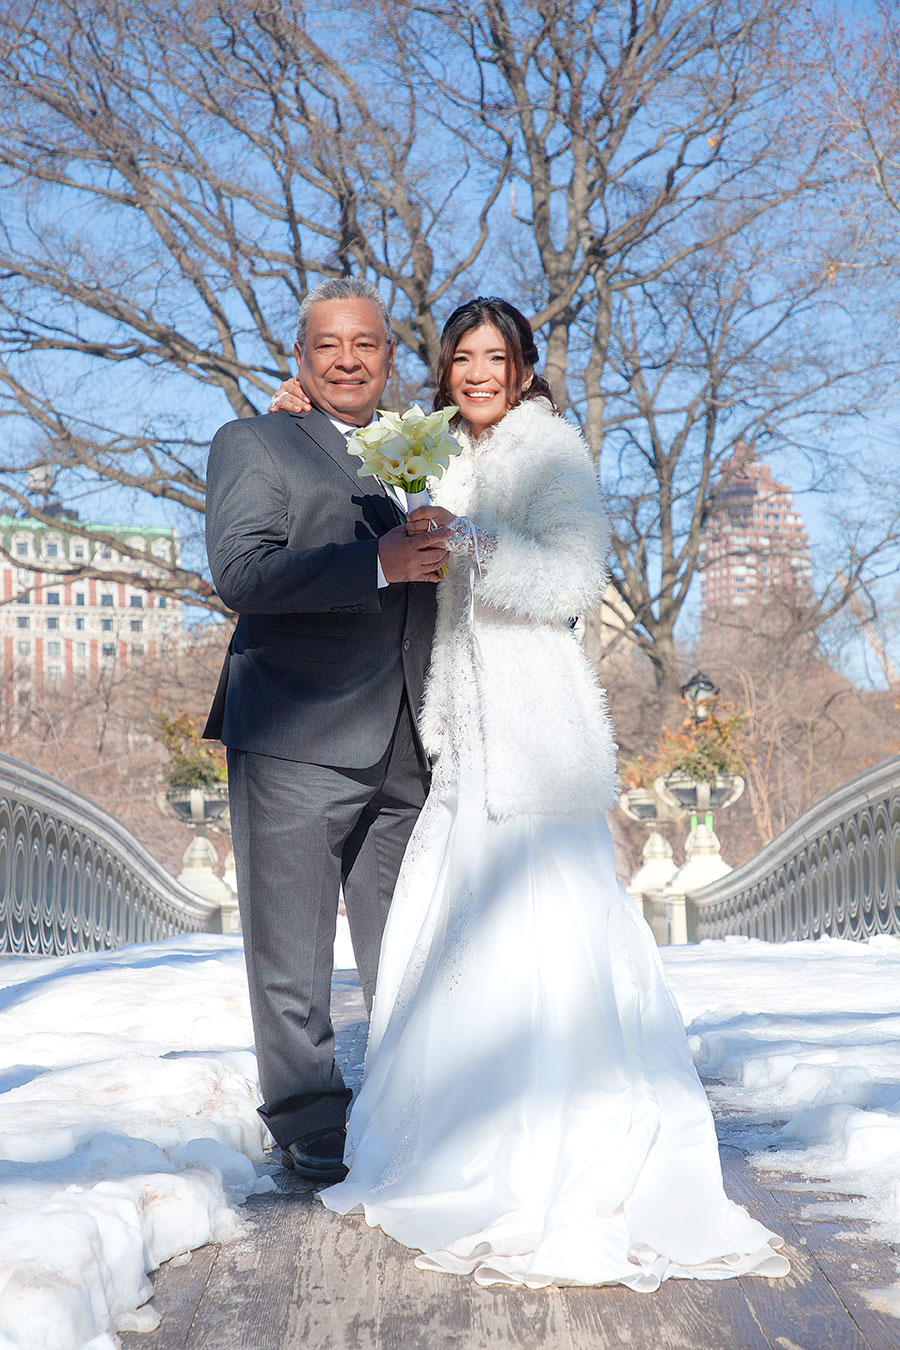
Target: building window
164 625
136 601
24 648
137 649
54 648
81 649
23 621
105 551
78 550
79 597
106 625
51 550
137 625
24 598
79 625
21 548
163 602
109 649
80 670
106 601
53 621
53 672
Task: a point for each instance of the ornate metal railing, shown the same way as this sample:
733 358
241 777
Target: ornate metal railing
73 880
836 871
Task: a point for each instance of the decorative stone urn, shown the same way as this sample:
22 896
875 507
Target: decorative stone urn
657 862
678 789
197 806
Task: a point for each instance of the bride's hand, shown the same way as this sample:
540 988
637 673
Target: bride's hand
428 518
290 397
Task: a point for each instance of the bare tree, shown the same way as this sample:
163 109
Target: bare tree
176 173
809 728
179 173
860 97
626 122
721 353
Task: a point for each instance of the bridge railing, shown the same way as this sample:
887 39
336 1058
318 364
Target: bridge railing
72 879
836 870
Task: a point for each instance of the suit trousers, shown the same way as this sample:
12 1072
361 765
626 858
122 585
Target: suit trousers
300 831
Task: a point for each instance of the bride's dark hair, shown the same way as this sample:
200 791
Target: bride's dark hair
521 349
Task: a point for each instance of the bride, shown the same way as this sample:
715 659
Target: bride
530 1113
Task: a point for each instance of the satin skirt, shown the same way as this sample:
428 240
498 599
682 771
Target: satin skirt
530 1113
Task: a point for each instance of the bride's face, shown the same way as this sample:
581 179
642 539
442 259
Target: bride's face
478 377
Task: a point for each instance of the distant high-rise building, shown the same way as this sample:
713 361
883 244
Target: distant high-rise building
754 545
56 626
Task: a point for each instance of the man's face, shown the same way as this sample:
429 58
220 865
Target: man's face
346 361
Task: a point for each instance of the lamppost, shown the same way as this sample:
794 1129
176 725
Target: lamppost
700 694
703 861
679 788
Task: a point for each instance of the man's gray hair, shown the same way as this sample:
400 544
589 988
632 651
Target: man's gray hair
342 288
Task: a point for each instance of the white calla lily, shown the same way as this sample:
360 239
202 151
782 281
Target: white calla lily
405 449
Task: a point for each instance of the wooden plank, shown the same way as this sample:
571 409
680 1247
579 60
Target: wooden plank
245 1302
680 1315
849 1259
177 1293
336 1298
853 1268
803 1309
427 1309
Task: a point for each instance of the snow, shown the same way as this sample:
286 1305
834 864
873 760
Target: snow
128 1092
800 1046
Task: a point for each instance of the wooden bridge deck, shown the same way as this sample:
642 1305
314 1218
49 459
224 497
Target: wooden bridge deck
303 1279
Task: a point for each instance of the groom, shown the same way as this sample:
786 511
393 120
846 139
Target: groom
317 702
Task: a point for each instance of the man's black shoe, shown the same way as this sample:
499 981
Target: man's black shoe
317 1156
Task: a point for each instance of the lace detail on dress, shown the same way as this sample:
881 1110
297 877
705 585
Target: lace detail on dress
465 538
404 1145
457 948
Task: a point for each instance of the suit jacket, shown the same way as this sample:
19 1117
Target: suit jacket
320 656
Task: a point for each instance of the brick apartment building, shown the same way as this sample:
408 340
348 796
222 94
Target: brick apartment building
754 545
54 630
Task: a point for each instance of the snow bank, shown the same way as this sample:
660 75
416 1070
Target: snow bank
128 1130
801 1042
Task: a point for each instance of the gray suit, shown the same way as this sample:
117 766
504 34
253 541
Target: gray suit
316 704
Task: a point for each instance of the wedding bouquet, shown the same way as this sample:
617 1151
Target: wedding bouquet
406 449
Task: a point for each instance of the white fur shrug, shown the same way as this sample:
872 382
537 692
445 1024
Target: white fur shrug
539 713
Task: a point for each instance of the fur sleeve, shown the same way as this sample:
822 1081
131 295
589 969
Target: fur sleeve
548 563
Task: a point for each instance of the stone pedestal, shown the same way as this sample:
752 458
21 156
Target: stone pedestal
703 865
656 870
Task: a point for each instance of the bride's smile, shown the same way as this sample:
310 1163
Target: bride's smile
478 378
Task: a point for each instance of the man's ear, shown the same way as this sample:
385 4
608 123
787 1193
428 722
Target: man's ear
392 352
298 352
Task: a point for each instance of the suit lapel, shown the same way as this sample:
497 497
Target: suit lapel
327 437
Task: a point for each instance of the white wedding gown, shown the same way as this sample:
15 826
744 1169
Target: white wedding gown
530 1113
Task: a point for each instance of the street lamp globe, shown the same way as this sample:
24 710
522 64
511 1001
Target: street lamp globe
699 693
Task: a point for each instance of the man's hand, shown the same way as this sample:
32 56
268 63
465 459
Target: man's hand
428 518
290 397
410 556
